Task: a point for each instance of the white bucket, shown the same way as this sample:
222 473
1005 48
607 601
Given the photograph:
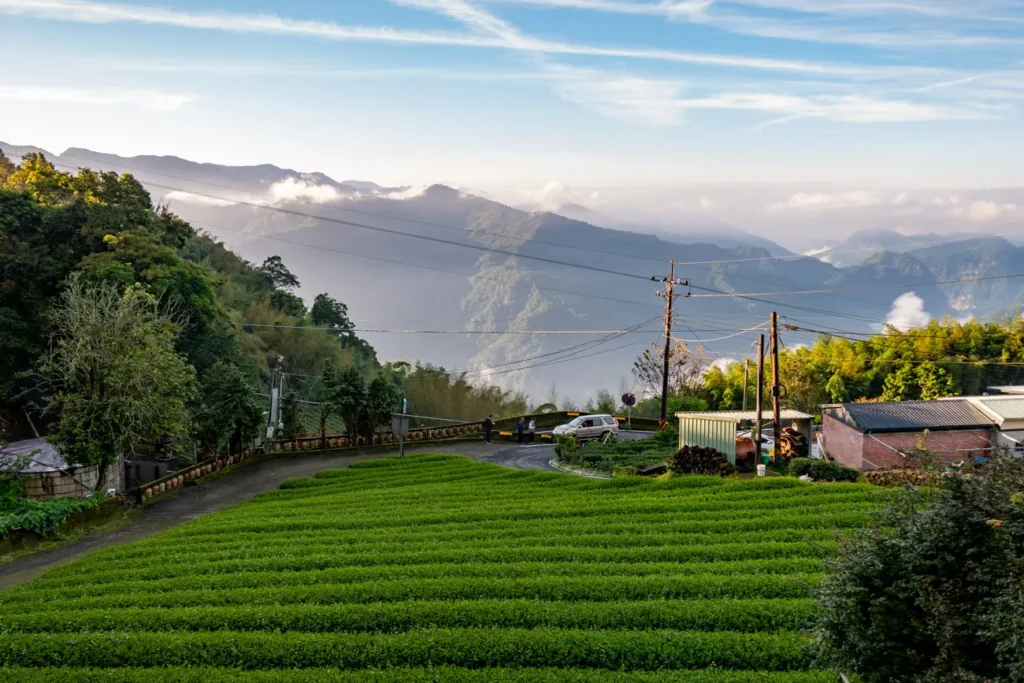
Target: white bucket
761 469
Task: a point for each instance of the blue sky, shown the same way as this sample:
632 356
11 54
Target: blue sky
519 93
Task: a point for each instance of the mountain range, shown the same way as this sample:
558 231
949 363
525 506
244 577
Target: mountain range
480 275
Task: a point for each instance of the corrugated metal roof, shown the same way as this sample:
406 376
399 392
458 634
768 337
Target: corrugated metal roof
39 456
1003 407
741 415
911 416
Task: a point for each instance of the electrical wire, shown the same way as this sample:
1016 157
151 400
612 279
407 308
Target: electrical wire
347 209
399 233
870 287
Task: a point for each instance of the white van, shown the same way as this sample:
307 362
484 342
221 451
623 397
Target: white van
589 427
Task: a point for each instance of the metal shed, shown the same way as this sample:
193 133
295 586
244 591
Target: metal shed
717 429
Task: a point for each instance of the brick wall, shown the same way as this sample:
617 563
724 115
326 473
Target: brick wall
950 445
843 444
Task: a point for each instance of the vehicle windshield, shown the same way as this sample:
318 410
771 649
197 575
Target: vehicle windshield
576 422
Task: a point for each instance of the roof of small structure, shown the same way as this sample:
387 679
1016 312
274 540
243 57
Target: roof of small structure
743 415
1001 407
39 456
910 416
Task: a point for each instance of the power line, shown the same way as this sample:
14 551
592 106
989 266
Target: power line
399 233
871 287
400 331
410 220
377 215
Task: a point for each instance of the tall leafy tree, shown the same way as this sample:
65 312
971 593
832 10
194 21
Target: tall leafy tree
277 273
119 386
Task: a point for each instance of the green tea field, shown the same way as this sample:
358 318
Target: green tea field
438 568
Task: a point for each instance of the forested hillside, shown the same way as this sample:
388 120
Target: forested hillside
945 358
78 251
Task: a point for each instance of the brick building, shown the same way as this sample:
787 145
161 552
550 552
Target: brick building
869 436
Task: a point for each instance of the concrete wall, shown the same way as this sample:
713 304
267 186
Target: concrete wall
849 447
63 484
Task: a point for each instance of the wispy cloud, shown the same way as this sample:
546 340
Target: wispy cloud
820 22
497 35
147 99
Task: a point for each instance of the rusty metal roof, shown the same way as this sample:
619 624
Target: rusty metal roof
911 416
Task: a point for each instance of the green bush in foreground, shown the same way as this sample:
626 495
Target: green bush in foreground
439 568
43 516
936 593
819 470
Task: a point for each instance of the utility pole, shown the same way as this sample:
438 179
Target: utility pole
759 400
776 390
669 294
746 378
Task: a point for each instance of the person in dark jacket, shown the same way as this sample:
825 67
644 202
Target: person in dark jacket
488 428
520 426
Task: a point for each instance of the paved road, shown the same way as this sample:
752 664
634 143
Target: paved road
538 456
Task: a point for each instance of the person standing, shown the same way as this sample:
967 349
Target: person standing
488 428
520 426
533 429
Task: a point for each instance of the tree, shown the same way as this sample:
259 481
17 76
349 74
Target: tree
935 591
686 369
925 381
120 387
329 312
605 402
349 395
383 398
229 413
291 416
277 273
288 303
836 388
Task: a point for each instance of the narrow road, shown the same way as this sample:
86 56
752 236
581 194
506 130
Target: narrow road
217 494
537 456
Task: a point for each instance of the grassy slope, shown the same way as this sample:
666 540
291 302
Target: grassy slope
440 568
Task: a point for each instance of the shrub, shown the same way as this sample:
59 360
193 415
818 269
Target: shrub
903 478
698 460
798 467
934 593
565 446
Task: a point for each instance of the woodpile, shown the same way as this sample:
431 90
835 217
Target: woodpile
791 444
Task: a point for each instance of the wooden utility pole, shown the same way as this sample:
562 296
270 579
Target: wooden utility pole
759 394
669 294
746 378
776 388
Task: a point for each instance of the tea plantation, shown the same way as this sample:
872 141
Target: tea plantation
437 568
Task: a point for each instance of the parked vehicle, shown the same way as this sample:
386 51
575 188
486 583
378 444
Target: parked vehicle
589 427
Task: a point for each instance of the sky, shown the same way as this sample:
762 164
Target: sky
821 104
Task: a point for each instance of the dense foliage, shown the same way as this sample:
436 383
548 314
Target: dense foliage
945 358
104 228
471 570
41 516
819 470
625 456
935 592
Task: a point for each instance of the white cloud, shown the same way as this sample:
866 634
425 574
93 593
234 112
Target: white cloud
505 36
551 197
908 312
627 98
407 193
196 199
147 99
707 203
899 199
983 211
299 189
803 201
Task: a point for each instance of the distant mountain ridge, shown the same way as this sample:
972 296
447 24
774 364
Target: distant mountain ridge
418 279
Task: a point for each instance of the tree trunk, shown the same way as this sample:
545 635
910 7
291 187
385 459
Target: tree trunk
323 433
